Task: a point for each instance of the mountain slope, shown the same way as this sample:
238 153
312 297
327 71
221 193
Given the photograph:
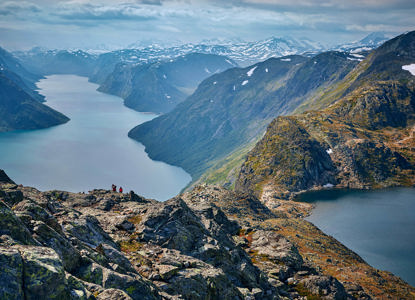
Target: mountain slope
364 139
18 110
159 87
15 71
232 109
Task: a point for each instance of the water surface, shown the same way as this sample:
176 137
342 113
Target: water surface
378 225
91 151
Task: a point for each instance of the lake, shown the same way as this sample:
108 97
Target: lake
91 151
378 225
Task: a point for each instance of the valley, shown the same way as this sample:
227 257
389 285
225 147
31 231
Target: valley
239 144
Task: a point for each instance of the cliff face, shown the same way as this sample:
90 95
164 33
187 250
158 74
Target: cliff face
206 244
362 140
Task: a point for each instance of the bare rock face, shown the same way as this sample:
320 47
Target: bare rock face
206 244
326 287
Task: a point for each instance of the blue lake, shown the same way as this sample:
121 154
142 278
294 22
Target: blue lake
91 151
378 225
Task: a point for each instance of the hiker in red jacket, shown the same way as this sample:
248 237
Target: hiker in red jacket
114 188
120 189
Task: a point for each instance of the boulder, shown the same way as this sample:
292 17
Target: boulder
276 248
116 257
88 230
29 211
135 287
48 237
43 274
326 287
113 294
11 274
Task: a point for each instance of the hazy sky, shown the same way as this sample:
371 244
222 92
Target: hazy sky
87 23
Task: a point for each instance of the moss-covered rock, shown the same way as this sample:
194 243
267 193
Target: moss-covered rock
43 274
11 274
10 225
48 237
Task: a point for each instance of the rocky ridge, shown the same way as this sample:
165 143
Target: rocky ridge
206 244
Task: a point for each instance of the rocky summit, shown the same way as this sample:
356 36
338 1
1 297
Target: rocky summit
209 243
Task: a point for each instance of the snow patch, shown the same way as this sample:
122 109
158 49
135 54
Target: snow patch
357 55
328 185
168 96
164 76
228 61
250 72
285 59
329 151
245 82
215 82
315 62
207 70
358 59
410 68
234 88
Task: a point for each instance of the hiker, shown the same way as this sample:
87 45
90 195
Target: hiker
114 188
120 189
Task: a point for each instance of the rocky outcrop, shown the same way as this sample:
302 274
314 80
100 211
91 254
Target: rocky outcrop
206 244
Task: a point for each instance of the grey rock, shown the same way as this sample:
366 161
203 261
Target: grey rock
10 225
326 286
113 294
11 274
88 230
48 237
135 287
44 276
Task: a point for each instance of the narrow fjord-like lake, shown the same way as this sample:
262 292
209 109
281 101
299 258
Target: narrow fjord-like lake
91 151
378 225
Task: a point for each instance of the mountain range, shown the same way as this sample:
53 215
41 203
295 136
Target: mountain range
160 86
364 138
232 109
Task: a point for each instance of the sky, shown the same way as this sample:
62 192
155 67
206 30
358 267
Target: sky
120 23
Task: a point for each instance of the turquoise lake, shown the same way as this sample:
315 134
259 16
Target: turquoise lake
91 151
378 225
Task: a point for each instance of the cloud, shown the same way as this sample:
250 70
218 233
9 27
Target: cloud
12 8
88 11
126 21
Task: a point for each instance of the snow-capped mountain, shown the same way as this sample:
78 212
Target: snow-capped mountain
368 43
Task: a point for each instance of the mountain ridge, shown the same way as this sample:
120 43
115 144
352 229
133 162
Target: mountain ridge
362 140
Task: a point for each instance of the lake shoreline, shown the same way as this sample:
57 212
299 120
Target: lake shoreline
379 251
90 151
